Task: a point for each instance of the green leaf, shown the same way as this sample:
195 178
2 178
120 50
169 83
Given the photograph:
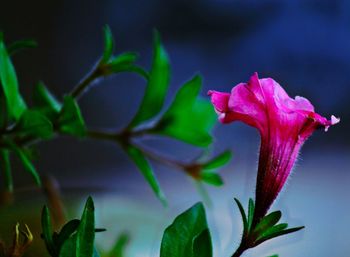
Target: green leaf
272 230
251 208
21 45
157 85
108 44
118 249
141 162
67 230
46 226
218 161
70 119
28 165
275 255
43 99
267 222
8 79
188 119
278 233
69 247
33 123
86 231
244 217
6 168
188 235
211 178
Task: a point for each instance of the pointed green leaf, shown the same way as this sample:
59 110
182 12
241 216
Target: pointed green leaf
188 119
28 165
46 226
251 208
33 123
67 230
278 233
69 247
86 231
118 249
21 45
244 217
188 235
43 98
272 230
267 222
211 178
70 118
157 85
108 44
141 162
218 161
6 169
8 79
125 62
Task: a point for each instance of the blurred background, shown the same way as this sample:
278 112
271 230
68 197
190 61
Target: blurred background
303 44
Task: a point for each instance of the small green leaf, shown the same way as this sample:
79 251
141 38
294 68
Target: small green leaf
272 230
33 123
188 119
211 178
267 222
141 162
28 165
275 255
6 168
108 44
46 225
118 249
42 98
70 119
21 45
188 235
244 217
218 161
157 85
278 233
8 79
86 231
67 230
251 208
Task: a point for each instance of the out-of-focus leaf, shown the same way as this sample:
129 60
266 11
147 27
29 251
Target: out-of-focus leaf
251 207
46 226
28 165
244 217
86 231
43 98
275 255
267 222
33 123
21 45
69 247
188 235
188 119
218 161
6 169
70 119
67 230
120 245
15 103
141 162
108 44
211 178
157 85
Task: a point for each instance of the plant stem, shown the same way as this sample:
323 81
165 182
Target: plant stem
85 82
239 250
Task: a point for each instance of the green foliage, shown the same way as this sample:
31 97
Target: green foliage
157 85
218 161
266 229
121 243
21 45
45 101
141 162
6 168
188 235
70 119
76 238
34 124
188 119
8 78
109 44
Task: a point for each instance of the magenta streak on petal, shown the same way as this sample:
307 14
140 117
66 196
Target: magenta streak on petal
284 124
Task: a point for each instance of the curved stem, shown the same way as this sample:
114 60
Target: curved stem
79 89
240 250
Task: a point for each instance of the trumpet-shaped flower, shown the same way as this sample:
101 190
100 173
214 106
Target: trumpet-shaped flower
284 124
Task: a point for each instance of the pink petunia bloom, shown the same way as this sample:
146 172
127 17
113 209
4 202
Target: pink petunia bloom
284 124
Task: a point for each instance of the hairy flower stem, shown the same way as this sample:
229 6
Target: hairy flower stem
240 250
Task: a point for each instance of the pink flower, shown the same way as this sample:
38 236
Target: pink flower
284 124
